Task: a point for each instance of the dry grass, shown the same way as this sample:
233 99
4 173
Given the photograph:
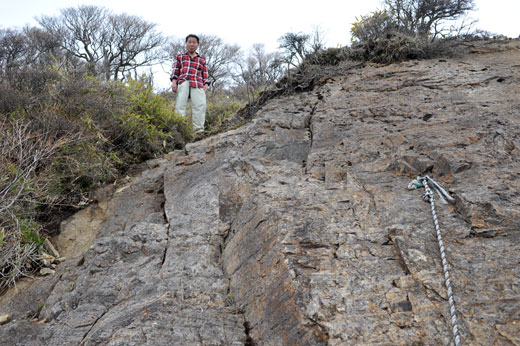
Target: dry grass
23 151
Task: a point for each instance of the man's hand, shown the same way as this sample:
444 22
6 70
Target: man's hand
205 88
174 85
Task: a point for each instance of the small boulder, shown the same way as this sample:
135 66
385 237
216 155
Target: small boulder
46 271
4 319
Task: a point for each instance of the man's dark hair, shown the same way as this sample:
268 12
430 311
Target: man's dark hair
194 36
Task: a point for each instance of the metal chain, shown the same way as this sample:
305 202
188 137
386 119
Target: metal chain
428 196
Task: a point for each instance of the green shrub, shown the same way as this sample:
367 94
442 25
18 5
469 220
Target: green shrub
77 169
328 57
148 123
30 231
63 136
397 48
382 37
376 38
219 109
378 25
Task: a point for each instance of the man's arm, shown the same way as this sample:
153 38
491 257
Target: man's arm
205 76
175 73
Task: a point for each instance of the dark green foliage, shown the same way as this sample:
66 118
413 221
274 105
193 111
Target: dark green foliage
148 122
29 229
329 56
387 50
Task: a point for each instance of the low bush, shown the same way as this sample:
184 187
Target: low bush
378 25
377 38
395 48
328 57
24 154
409 30
148 123
60 141
220 108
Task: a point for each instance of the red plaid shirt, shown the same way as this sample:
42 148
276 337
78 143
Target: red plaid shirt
186 68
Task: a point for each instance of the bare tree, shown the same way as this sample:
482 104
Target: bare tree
28 48
110 44
131 42
82 31
23 151
268 68
174 46
257 71
298 46
419 17
12 49
317 40
295 47
219 58
464 27
42 48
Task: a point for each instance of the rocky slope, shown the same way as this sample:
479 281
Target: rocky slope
298 229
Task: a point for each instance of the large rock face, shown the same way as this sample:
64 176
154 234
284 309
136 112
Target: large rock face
298 229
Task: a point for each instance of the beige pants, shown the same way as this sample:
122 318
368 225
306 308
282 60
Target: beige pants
198 104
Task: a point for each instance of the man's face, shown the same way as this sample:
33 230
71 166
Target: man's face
192 45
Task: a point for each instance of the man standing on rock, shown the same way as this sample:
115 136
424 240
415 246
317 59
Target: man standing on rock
190 80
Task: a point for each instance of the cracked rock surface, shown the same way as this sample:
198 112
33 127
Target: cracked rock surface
298 228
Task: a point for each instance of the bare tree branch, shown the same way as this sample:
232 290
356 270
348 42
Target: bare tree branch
110 44
132 43
419 17
81 31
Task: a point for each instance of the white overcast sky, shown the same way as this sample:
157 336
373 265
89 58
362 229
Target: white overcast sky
246 23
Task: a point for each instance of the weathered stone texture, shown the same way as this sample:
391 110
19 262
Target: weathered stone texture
298 229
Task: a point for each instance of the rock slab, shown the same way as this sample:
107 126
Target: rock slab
298 229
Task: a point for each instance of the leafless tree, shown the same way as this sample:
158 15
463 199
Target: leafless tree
27 150
29 48
82 31
422 17
12 48
219 57
174 46
295 47
464 27
43 49
257 71
317 41
110 44
131 43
